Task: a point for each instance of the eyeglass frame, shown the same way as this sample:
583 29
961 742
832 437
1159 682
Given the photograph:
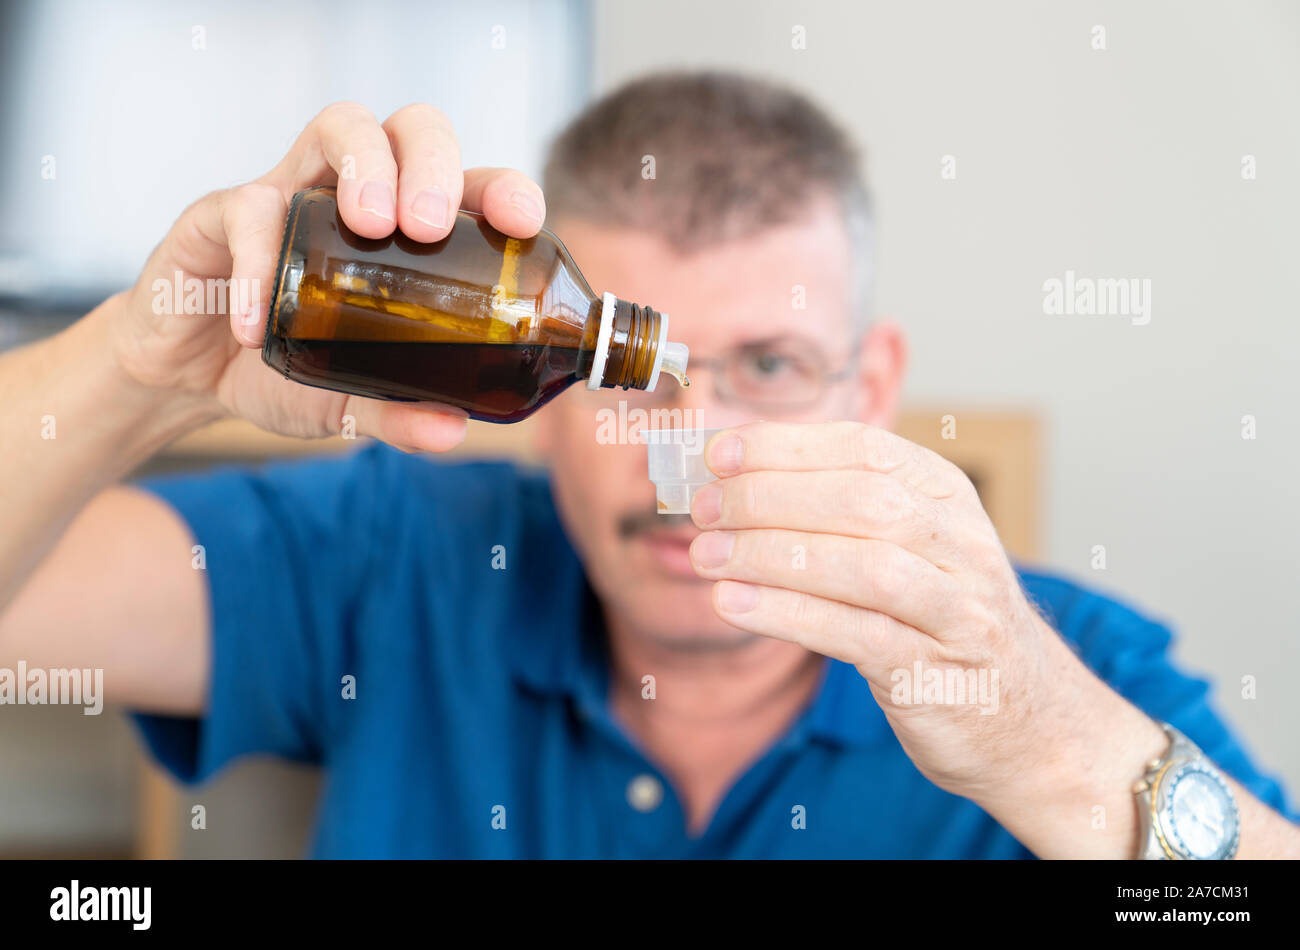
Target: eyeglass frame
826 382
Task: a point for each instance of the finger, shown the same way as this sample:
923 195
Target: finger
849 445
407 426
235 231
510 200
875 575
345 144
429 179
840 501
253 217
873 642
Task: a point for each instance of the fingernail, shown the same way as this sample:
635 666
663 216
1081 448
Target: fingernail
377 198
713 548
737 598
706 506
528 205
431 206
726 455
247 320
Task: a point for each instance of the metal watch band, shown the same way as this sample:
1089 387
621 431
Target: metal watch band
1152 843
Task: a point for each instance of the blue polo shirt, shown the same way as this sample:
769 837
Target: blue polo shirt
363 619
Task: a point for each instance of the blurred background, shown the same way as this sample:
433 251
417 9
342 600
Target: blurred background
1007 143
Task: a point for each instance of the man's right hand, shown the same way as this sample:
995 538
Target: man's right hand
405 174
100 576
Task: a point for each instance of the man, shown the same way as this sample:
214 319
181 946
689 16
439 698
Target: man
627 685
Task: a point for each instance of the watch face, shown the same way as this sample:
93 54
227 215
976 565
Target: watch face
1199 815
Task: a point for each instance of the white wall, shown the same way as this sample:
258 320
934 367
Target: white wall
148 106
1117 163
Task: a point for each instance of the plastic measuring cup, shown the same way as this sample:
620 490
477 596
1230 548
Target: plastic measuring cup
676 462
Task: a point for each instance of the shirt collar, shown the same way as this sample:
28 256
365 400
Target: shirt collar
561 651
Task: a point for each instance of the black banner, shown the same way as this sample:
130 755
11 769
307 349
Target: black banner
914 899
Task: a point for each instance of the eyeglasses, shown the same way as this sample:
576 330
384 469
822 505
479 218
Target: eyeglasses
785 374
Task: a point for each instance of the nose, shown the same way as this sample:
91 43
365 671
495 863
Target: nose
689 405
698 404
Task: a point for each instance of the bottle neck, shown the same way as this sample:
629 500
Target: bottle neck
635 335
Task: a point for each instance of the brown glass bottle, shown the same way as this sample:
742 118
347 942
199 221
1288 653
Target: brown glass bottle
492 324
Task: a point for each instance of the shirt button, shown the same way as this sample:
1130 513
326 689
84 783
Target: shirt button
644 793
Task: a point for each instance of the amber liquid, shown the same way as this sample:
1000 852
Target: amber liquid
497 382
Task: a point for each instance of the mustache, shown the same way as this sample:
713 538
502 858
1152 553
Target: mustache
635 523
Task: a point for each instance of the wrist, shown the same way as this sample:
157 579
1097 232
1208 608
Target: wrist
139 418
1073 797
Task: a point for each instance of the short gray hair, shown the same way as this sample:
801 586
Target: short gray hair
732 154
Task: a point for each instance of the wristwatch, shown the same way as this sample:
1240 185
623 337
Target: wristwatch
1187 810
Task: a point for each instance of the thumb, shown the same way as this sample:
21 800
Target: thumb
411 427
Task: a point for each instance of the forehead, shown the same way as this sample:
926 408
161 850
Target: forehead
791 279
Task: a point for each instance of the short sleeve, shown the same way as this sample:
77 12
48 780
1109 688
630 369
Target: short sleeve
1132 654
286 550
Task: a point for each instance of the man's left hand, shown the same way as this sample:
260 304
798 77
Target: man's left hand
860 545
